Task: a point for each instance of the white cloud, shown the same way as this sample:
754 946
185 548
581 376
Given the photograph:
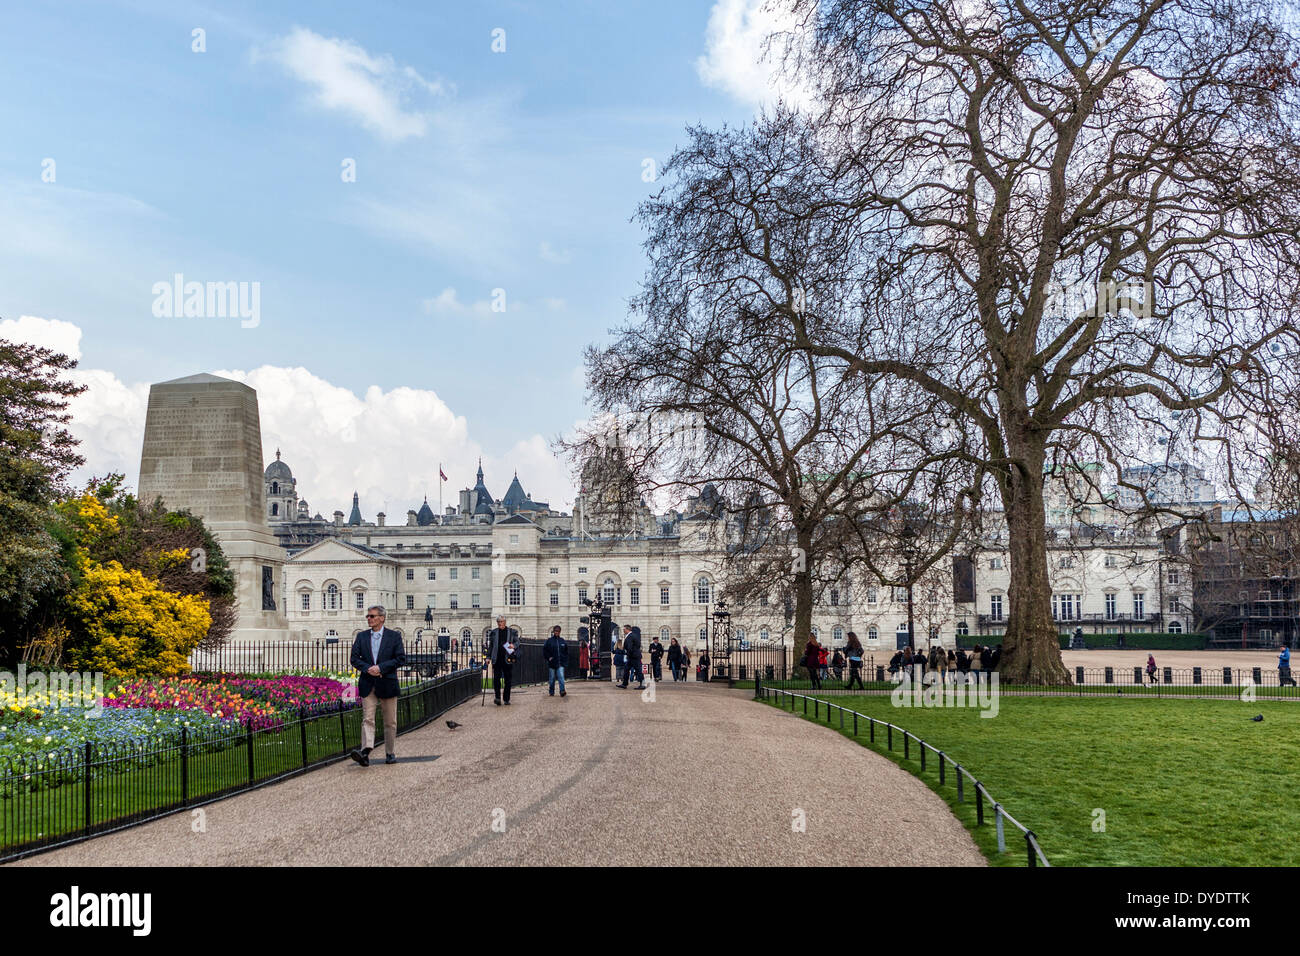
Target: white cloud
368 88
385 444
740 61
53 334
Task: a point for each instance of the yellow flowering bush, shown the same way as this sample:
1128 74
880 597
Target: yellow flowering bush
135 627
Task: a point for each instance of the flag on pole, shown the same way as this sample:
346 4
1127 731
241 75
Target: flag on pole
440 474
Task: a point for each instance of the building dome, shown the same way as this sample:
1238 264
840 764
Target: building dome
278 469
425 516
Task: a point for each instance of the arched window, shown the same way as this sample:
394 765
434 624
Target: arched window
466 635
515 592
275 487
704 635
332 597
665 634
702 590
1175 627
816 632
275 509
764 634
963 629
873 634
740 633
609 592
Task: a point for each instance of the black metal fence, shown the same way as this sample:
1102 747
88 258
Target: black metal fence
1033 852
1135 681
60 797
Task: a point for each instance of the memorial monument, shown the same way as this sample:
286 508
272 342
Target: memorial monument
202 451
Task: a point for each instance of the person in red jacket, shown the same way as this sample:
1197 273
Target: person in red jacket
584 658
823 659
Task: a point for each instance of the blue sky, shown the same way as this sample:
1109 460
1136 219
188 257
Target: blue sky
475 171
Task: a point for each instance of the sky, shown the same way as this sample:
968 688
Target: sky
426 208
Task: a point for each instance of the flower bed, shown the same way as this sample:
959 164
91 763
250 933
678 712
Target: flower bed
264 703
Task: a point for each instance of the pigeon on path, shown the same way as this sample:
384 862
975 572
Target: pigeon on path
452 725
1257 718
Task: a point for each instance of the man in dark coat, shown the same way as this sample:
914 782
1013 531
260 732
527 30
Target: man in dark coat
656 659
632 649
377 653
556 653
500 651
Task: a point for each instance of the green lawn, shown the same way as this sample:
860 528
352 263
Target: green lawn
1182 782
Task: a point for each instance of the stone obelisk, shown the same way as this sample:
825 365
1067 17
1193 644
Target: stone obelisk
202 451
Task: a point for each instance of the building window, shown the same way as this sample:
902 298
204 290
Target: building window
762 600
1067 607
433 574
466 637
473 574
1175 627
1110 607
995 564
554 571
410 602
816 632
275 510
514 539
634 595
332 598
582 570
835 597
431 601
474 600
837 635
1066 562
702 590
663 569
454 573
1173 576
1139 605
900 594
555 597
1110 561
1175 606
410 574
634 569
665 635
995 607
872 595
453 601
582 595
515 593
361 600
609 596
873 634
306 600
764 634
663 596
963 629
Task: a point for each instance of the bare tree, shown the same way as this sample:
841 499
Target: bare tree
1063 223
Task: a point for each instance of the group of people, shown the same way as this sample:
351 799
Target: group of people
949 664
628 661
821 662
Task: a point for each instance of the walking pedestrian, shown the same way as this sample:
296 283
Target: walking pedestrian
1151 668
837 665
812 659
656 659
377 654
632 651
1284 677
556 653
686 663
823 660
854 648
986 660
896 663
675 659
500 651
704 665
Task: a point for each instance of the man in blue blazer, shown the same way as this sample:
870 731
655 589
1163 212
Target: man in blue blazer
376 654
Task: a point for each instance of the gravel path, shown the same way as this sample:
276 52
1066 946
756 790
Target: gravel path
699 776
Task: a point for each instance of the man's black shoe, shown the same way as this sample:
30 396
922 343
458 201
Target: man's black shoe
497 701
391 758
360 758
507 703
563 694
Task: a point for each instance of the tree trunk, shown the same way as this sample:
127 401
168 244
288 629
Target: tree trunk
1031 648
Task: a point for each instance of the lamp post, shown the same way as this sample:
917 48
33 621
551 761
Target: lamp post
909 555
